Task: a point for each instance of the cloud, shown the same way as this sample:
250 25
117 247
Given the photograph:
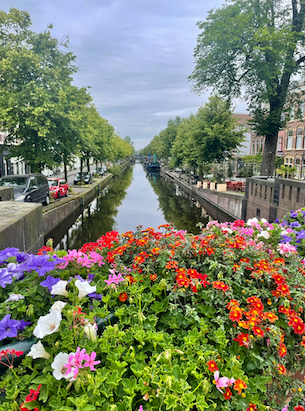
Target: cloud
135 54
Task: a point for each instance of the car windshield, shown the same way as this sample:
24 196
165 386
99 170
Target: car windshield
85 173
53 183
13 182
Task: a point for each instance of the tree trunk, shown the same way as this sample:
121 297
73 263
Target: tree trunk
88 164
65 171
269 154
81 170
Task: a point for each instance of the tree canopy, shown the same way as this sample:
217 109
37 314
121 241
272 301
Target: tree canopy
252 49
201 138
48 119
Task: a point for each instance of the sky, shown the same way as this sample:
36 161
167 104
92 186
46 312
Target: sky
136 55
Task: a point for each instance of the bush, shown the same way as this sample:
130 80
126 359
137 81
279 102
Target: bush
213 321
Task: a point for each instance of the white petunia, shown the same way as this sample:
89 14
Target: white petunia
58 306
60 288
59 368
252 221
47 324
264 234
91 331
38 351
84 288
14 297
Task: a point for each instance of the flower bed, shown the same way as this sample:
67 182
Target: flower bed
155 320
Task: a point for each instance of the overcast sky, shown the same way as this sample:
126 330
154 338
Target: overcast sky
135 54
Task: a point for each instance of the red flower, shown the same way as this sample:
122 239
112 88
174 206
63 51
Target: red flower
212 366
123 297
281 369
282 350
252 407
299 408
258 331
243 339
220 285
236 314
153 277
227 394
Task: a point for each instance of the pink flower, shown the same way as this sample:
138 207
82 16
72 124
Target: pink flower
114 279
90 361
222 382
287 249
285 408
75 361
141 408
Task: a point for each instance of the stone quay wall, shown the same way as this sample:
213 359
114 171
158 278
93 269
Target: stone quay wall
272 198
6 193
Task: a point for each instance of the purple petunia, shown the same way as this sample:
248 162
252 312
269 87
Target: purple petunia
293 214
8 327
295 224
95 296
22 325
40 264
5 277
49 282
301 235
285 239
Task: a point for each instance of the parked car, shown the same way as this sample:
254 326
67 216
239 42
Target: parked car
87 178
58 187
100 170
28 187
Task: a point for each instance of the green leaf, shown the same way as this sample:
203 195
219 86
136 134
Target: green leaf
201 404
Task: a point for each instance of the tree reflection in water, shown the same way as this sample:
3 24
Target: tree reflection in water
99 217
178 208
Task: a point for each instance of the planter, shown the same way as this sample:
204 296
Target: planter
205 184
221 186
212 186
198 184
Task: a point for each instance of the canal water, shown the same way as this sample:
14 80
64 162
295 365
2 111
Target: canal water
131 199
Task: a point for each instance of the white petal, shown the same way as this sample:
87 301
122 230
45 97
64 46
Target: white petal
47 324
84 288
60 288
58 306
38 351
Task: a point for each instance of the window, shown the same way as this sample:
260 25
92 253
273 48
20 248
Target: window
289 140
297 163
280 144
257 147
299 140
261 146
33 182
253 148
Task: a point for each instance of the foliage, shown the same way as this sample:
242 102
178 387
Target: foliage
203 321
48 119
263 49
286 171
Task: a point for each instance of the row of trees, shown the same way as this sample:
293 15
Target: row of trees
199 139
49 120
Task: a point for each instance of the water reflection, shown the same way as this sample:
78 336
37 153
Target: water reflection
177 206
131 199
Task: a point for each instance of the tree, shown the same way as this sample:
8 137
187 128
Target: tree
216 130
252 49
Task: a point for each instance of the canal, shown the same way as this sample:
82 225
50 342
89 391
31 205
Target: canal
131 199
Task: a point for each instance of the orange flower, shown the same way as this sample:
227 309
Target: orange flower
271 317
243 339
236 314
252 407
131 279
123 297
239 385
153 277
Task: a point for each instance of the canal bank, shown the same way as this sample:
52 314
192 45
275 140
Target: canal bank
221 206
26 225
